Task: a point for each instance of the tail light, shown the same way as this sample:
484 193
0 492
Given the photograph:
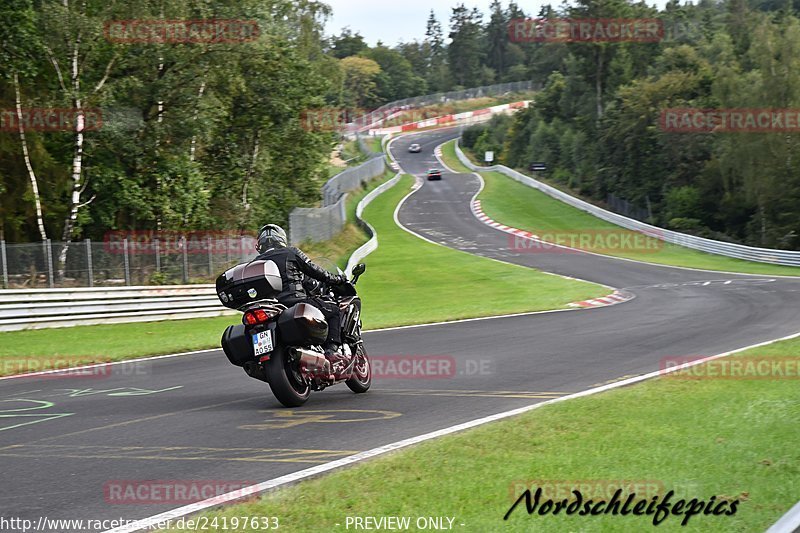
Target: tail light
256 316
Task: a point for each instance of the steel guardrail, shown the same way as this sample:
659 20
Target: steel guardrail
63 307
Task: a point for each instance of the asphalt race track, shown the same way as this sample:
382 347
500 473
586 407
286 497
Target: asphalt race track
63 441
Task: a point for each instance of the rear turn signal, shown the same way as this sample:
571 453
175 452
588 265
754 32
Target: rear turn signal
255 316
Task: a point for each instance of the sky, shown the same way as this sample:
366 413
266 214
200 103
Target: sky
391 21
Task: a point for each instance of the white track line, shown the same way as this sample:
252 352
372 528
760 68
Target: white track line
316 471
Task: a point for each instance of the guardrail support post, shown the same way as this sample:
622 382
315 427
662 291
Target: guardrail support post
185 260
48 249
126 262
89 272
4 258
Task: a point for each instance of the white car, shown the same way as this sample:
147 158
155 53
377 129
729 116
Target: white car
415 149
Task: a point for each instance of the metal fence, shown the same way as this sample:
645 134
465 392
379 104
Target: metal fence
626 208
121 262
438 98
738 251
350 179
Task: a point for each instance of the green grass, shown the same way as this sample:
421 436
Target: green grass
523 207
375 144
733 439
404 282
451 159
19 350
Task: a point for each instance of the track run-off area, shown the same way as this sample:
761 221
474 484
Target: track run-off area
64 442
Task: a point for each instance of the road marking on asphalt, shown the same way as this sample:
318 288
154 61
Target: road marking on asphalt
143 419
282 419
469 393
175 453
23 417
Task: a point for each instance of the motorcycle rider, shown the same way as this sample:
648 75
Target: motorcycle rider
294 265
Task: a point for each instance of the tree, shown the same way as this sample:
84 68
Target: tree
361 81
497 40
434 46
466 51
396 79
21 46
347 44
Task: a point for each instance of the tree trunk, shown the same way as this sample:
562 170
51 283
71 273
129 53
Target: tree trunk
26 156
248 175
196 114
77 160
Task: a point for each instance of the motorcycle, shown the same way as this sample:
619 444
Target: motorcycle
283 346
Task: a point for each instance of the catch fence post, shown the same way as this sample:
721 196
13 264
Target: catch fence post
48 255
185 260
4 258
210 258
89 272
126 262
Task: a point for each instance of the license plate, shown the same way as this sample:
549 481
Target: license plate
262 342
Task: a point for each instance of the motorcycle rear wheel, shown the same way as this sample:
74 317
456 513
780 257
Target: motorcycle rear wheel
361 379
285 382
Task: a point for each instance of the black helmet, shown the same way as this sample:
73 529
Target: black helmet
270 236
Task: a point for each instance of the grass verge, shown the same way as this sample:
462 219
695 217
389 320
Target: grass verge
523 207
28 350
733 439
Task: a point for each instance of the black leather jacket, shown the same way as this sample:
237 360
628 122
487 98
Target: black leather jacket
293 265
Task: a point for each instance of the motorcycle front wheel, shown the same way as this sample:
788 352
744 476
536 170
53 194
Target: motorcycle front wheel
285 381
361 379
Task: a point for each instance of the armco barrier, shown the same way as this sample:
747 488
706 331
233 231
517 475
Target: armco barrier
372 244
738 251
51 308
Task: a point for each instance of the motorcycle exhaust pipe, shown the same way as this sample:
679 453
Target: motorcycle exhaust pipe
312 363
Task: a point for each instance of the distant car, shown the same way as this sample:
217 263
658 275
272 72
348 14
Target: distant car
434 174
415 149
